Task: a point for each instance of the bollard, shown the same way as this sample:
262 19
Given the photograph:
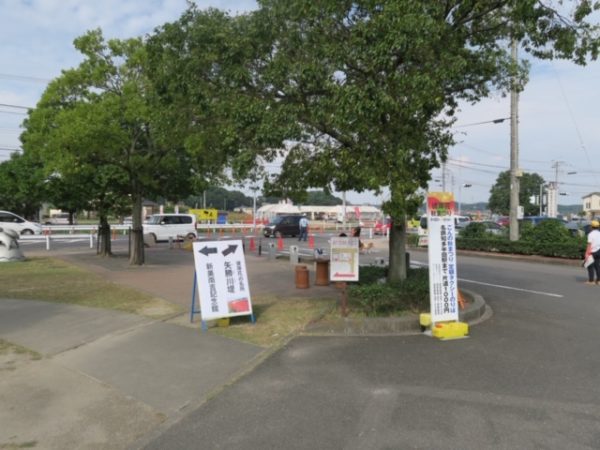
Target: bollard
252 245
311 241
170 242
271 250
280 243
259 246
47 242
302 277
322 272
294 257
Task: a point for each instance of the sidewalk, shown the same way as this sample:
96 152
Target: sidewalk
106 378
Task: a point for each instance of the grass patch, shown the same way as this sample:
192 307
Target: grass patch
54 280
16 445
374 297
276 319
7 348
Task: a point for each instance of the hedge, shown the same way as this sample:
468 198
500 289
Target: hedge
574 249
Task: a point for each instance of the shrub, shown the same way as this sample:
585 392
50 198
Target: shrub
371 274
474 230
547 231
384 299
412 240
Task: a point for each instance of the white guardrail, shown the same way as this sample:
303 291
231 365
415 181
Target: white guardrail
70 233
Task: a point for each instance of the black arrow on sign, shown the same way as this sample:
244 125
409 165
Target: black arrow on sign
230 249
207 251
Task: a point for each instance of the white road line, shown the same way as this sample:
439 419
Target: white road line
548 294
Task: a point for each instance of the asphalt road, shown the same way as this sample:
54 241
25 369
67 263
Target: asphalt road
527 378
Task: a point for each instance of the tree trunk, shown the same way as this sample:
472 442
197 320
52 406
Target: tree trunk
104 243
397 248
136 254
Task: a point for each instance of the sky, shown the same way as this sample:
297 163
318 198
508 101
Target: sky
559 117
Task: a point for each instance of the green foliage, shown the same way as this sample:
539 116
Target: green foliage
384 299
546 232
412 240
371 274
474 230
499 202
22 185
322 198
572 249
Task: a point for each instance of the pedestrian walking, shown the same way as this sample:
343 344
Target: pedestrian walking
593 250
303 229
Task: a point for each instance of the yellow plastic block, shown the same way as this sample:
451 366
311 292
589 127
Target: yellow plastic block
425 319
450 330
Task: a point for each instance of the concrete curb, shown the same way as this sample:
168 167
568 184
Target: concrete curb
476 312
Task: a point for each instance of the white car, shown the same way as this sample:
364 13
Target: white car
11 221
161 227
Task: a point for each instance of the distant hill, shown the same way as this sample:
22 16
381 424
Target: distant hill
566 210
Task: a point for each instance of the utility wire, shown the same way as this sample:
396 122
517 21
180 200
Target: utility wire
10 76
566 100
16 106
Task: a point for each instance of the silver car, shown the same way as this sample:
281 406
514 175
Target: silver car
10 221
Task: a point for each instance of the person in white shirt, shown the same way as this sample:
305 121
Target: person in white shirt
303 229
593 249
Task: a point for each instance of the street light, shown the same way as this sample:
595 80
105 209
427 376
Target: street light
483 123
460 186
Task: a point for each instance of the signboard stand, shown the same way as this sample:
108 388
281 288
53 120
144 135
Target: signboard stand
221 281
443 279
343 265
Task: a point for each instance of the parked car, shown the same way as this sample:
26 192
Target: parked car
383 227
161 227
490 227
60 219
283 226
11 221
503 221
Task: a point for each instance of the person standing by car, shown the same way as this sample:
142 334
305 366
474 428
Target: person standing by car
593 249
303 229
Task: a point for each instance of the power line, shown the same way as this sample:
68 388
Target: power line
16 106
18 113
10 76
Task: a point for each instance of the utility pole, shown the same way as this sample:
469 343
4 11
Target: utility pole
443 177
514 153
344 210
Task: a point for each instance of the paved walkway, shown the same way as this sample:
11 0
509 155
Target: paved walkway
106 378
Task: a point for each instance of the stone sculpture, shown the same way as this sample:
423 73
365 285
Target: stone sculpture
9 246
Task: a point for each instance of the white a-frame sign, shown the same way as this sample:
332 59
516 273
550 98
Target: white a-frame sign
222 279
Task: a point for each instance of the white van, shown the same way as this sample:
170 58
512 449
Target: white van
161 227
11 221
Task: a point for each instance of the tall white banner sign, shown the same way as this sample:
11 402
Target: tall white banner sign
222 279
443 288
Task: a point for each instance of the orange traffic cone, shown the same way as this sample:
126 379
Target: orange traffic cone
461 300
252 244
280 243
311 241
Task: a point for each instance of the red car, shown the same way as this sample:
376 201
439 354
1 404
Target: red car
381 227
503 221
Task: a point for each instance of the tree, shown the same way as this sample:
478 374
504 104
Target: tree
322 198
22 185
370 88
98 128
499 202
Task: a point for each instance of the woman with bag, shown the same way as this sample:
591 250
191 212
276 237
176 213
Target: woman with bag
593 251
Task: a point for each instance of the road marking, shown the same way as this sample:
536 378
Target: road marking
548 294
